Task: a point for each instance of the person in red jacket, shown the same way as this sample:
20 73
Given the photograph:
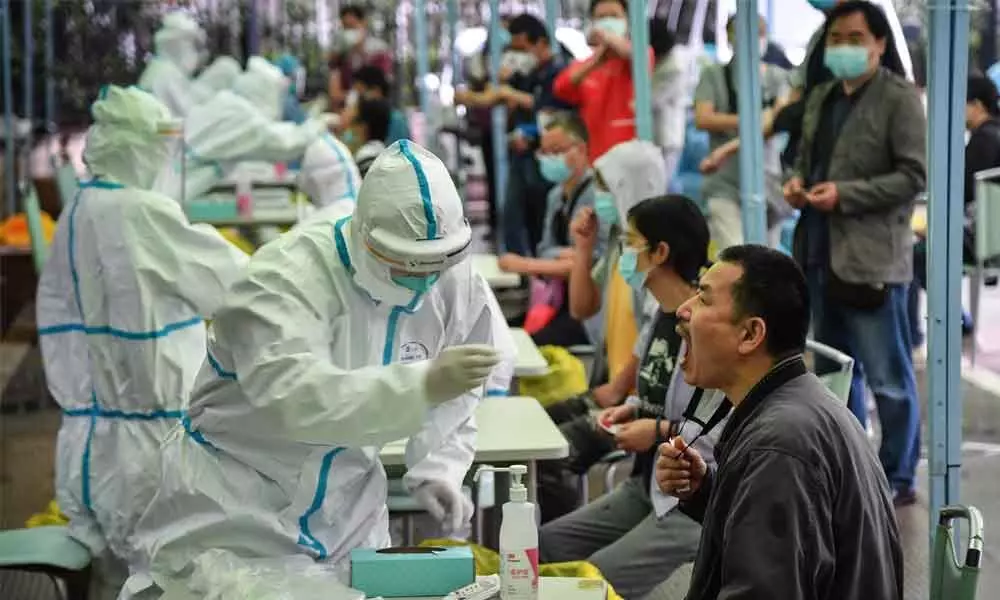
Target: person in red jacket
601 86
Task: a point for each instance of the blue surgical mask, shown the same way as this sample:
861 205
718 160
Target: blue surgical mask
628 266
417 283
554 168
823 5
604 206
612 25
347 137
846 62
504 38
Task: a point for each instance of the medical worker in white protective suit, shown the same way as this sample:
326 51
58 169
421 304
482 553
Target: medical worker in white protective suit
218 76
121 307
179 47
341 337
243 124
330 177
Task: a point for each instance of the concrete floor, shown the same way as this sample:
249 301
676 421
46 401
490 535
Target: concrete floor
27 434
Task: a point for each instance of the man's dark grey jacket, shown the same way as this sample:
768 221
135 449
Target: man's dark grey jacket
798 507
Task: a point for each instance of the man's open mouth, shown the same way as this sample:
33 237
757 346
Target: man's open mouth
686 348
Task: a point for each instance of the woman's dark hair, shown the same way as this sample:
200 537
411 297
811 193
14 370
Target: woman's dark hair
878 24
661 39
982 88
594 3
371 76
375 113
353 10
678 222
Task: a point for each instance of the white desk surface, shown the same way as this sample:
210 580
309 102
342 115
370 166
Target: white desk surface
511 429
529 361
557 588
486 265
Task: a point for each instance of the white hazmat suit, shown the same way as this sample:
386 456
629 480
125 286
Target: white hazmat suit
330 178
168 74
322 354
121 307
218 76
243 125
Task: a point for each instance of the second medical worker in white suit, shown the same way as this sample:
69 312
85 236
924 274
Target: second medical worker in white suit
341 337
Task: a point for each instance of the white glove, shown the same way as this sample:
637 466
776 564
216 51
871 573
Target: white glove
457 370
446 503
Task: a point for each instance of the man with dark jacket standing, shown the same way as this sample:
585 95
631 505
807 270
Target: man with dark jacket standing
798 507
860 167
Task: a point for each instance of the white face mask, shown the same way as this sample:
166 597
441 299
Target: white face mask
351 37
613 25
518 61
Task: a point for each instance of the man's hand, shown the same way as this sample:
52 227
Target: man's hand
823 196
584 230
616 415
637 436
795 194
509 263
606 396
679 469
505 73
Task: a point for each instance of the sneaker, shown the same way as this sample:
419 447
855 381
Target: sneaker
902 498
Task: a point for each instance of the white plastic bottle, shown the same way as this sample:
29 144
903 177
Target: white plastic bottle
518 540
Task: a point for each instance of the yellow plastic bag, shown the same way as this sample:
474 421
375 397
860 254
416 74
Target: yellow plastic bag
233 237
14 230
488 563
566 378
50 516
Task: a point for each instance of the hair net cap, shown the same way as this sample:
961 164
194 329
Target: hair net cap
264 86
409 194
179 24
131 109
633 171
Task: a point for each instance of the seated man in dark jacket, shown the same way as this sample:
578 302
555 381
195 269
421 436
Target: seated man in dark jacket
798 507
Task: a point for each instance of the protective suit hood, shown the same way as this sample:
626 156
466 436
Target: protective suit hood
264 86
328 174
410 213
179 40
129 141
633 171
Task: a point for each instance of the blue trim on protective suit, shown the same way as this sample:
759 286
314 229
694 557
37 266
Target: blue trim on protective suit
496 392
121 333
341 243
306 537
217 367
95 411
194 433
351 190
425 189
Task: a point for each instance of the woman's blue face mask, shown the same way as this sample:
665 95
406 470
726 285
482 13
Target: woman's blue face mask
823 5
604 206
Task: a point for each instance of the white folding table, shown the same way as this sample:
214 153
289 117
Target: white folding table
486 265
529 361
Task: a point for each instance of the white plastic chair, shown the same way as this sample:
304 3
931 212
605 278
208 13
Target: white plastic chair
838 381
987 240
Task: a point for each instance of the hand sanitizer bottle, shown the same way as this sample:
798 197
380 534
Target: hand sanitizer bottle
518 539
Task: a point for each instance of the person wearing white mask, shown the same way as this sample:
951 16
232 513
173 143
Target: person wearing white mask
601 87
337 340
243 124
121 310
716 112
355 48
178 44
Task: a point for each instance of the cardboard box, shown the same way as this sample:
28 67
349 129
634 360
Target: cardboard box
411 572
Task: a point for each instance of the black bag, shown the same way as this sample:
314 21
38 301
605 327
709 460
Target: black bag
859 296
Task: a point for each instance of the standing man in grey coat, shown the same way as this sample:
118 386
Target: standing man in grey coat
859 169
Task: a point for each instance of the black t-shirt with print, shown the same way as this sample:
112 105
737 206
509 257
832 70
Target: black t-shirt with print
656 368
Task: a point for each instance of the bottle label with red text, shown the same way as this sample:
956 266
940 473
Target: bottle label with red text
519 575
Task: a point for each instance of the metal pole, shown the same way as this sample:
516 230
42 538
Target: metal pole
253 36
747 62
770 18
639 28
499 116
50 76
552 10
28 80
947 81
10 203
453 55
423 60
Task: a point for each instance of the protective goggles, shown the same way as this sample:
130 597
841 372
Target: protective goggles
420 256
